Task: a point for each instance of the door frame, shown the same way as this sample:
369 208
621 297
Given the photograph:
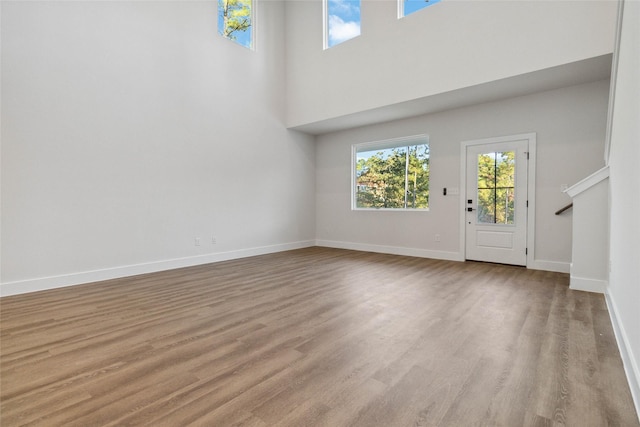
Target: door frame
531 189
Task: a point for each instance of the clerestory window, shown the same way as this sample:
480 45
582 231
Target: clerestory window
235 21
341 21
407 7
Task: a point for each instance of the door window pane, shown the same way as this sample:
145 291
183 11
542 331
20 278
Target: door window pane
486 213
496 188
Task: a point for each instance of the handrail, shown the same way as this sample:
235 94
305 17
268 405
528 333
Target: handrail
569 206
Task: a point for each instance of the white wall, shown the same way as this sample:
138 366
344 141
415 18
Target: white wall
449 46
570 126
590 242
624 278
130 128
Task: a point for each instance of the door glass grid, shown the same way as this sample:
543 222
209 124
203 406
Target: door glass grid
496 187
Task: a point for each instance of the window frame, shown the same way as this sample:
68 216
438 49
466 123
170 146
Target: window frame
406 141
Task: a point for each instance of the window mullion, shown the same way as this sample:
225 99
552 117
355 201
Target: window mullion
406 179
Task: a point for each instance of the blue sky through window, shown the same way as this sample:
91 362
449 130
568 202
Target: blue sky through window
411 6
384 153
343 20
245 38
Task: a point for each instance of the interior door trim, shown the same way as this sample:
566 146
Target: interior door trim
531 189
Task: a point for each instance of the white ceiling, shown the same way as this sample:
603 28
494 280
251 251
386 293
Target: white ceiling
589 70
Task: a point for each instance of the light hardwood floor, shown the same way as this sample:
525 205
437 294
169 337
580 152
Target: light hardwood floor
314 337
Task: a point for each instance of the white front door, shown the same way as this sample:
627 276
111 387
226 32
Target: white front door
496 202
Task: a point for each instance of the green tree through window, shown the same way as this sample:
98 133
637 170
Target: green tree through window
392 178
234 21
496 187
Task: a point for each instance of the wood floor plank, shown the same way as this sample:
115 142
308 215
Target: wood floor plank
314 337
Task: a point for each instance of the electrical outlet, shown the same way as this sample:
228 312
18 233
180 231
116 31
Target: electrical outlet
437 237
197 241
214 240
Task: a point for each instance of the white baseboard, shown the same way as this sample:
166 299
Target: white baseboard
556 266
392 250
629 361
559 267
588 285
53 282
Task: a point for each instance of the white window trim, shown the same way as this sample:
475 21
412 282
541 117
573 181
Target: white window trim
325 24
254 24
400 9
386 143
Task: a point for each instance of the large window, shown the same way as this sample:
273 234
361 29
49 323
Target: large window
341 21
406 7
391 174
235 20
